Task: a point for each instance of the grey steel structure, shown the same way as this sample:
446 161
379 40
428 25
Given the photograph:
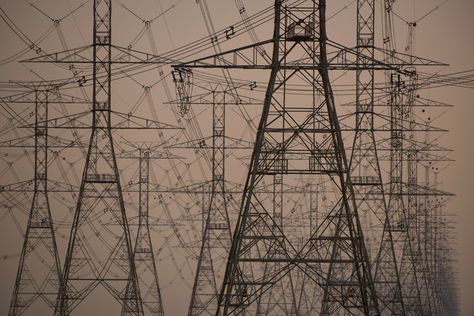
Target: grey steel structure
100 250
216 233
326 257
143 254
39 276
39 272
297 137
107 259
366 175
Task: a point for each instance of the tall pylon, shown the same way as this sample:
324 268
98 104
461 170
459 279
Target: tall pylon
400 230
143 254
365 168
38 277
98 256
413 209
216 234
39 274
298 134
398 220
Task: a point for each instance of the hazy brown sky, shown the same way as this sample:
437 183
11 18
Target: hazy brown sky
445 35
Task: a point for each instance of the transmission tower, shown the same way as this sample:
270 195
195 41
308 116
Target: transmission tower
216 235
414 210
39 273
396 206
297 136
110 261
317 233
143 252
98 256
366 177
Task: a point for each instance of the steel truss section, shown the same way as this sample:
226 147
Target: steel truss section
99 251
39 275
298 135
216 236
365 169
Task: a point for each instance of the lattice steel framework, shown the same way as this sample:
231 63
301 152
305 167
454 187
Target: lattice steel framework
365 168
397 210
39 273
216 234
299 135
281 297
322 265
99 250
143 254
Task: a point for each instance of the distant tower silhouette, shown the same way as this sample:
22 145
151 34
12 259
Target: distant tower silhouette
365 168
143 253
39 274
216 232
397 223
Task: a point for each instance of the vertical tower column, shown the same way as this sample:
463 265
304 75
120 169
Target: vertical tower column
397 208
99 253
39 277
216 231
365 168
280 298
299 136
143 255
413 206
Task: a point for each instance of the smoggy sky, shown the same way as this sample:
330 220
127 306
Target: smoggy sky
444 35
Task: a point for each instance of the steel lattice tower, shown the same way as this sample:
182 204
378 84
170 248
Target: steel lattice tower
413 209
304 241
298 137
396 205
365 168
39 274
97 256
143 252
216 230
306 297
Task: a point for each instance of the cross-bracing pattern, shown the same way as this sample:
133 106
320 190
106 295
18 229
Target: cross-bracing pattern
39 273
295 205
